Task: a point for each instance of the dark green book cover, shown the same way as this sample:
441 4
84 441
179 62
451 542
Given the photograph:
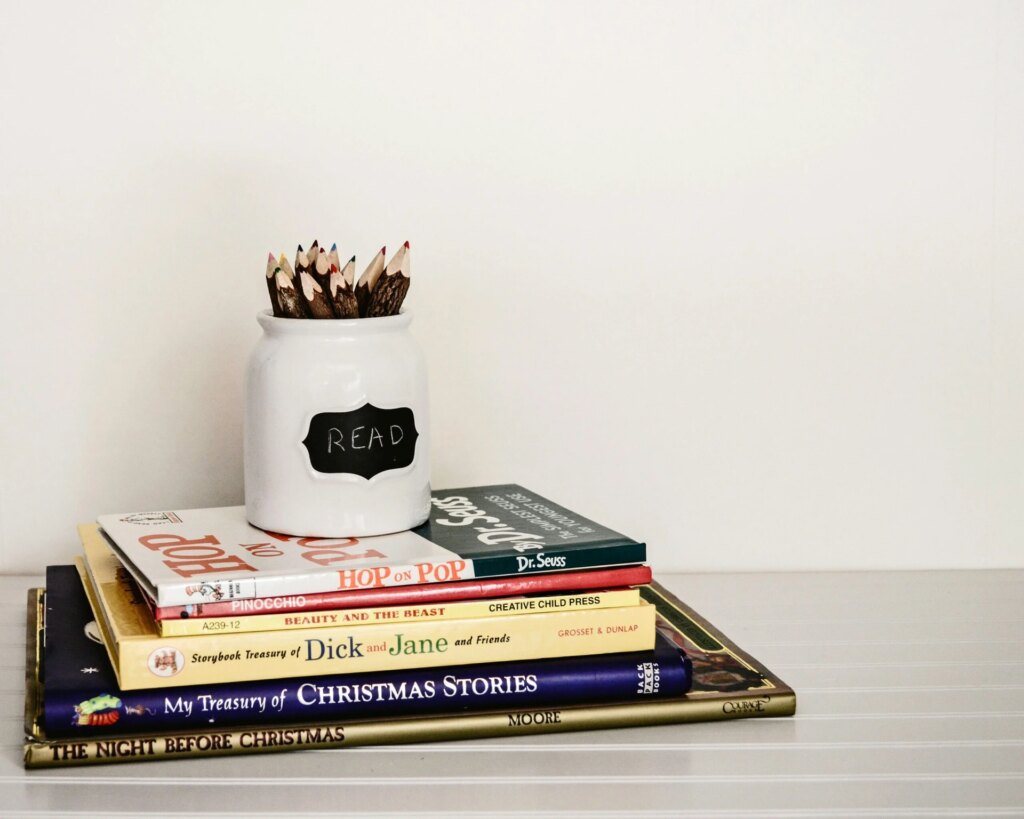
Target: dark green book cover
508 530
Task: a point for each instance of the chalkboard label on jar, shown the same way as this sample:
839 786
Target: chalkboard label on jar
364 442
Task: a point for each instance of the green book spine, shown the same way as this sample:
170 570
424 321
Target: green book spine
564 559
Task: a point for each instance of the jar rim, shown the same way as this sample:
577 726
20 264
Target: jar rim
338 328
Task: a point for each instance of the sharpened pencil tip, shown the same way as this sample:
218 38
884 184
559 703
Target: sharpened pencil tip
383 249
300 249
406 245
271 257
352 259
334 247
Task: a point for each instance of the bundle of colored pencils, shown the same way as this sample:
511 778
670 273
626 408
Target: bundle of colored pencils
320 287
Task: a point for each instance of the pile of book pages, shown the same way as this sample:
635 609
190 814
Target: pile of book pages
192 633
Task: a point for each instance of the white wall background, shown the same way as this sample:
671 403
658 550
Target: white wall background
744 280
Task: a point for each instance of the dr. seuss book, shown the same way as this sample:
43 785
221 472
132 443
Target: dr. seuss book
82 697
143 659
205 555
727 684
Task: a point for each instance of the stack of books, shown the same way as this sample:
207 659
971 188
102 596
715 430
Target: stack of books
192 633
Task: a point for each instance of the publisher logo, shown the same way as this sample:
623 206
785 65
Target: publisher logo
151 518
648 678
166 662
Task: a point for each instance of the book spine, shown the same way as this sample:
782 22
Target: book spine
154 662
466 609
400 731
666 672
429 593
552 559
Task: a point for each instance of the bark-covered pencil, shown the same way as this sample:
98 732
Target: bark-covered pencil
332 258
288 297
368 281
342 296
272 268
303 263
391 287
321 269
348 269
315 297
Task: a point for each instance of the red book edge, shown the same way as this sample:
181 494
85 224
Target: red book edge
426 593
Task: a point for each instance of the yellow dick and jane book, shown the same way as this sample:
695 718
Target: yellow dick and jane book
143 658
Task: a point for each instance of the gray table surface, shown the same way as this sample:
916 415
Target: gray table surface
910 702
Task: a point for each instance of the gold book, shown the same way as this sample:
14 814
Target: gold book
727 684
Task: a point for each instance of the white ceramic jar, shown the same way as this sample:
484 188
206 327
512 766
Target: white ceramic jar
337 440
